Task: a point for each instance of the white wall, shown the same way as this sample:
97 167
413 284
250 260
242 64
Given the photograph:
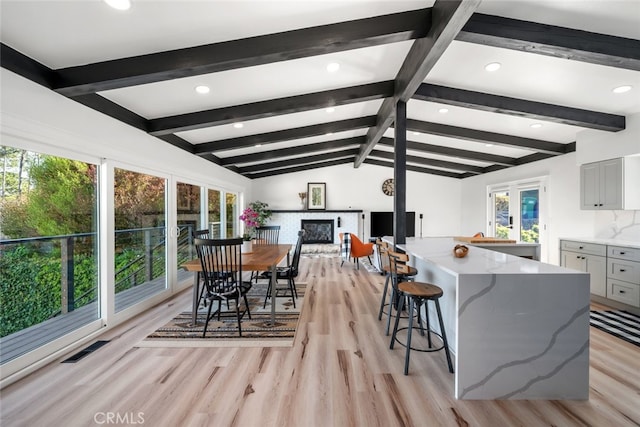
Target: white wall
437 198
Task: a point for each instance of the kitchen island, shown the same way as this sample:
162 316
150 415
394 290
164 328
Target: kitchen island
519 328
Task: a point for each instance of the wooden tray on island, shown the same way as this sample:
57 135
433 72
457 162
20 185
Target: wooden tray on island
483 240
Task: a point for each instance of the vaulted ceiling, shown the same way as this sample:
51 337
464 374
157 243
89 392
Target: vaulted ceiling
274 108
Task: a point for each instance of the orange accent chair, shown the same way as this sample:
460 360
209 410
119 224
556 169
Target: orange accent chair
358 249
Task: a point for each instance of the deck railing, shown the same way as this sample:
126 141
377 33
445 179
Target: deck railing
147 251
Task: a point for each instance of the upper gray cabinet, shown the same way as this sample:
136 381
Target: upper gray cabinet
611 184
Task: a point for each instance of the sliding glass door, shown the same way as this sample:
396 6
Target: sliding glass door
48 249
140 236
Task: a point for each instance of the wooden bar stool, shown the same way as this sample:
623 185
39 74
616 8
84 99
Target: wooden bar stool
419 294
398 271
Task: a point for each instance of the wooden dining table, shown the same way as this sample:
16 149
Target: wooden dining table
261 258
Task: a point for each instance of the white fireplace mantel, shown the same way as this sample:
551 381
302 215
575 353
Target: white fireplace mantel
290 222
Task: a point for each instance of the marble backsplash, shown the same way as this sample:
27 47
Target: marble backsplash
620 225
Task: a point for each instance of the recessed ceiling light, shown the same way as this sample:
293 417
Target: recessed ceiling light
238 125
536 125
493 66
622 89
119 4
330 110
333 67
443 110
202 89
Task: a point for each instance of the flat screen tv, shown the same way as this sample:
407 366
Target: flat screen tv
382 224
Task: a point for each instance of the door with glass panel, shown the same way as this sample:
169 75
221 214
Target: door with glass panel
515 213
501 222
140 253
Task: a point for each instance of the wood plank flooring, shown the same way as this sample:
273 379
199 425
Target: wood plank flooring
340 372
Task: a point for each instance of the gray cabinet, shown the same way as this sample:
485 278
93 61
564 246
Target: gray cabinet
601 185
587 257
610 184
614 270
623 275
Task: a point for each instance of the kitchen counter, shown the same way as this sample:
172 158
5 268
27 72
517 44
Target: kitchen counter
519 328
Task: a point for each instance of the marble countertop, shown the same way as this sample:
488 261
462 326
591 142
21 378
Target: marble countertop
610 242
439 251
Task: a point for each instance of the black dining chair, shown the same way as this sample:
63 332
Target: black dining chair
267 235
221 261
288 273
200 234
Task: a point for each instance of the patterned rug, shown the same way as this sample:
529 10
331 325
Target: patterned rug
619 323
256 332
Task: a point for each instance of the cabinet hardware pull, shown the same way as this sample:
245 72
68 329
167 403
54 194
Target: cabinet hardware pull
622 292
578 257
622 253
622 270
581 247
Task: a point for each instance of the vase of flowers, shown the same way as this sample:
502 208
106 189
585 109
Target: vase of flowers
255 215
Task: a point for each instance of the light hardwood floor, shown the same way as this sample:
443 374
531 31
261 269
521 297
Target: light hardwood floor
340 372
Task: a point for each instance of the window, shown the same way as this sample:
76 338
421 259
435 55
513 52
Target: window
140 237
232 216
189 217
213 214
48 248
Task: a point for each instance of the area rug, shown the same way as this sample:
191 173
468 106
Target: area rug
256 332
619 323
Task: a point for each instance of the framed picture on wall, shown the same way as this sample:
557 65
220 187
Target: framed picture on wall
316 195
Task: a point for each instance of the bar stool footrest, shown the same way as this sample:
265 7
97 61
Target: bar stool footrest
427 350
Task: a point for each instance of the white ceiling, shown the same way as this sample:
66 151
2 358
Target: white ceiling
61 34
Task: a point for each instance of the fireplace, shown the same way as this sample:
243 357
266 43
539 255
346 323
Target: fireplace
317 230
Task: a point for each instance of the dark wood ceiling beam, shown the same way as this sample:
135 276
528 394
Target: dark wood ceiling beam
111 109
534 157
387 155
301 168
486 137
270 108
292 151
446 20
559 42
285 135
520 107
299 161
181 143
26 67
414 168
454 152
248 52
